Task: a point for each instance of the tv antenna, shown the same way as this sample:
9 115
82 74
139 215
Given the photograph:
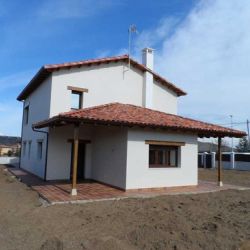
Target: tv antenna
132 29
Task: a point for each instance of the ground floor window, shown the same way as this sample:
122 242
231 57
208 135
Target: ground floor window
163 156
39 150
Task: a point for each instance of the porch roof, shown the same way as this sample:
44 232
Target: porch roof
131 115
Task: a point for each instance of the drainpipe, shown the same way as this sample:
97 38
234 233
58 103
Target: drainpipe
21 148
46 152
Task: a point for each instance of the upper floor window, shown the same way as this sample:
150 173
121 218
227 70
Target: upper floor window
76 100
77 97
26 115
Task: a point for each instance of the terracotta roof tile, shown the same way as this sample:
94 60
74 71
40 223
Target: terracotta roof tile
130 115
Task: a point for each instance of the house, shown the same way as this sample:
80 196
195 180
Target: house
9 145
211 147
113 120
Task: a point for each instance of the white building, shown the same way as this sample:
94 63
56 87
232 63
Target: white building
120 121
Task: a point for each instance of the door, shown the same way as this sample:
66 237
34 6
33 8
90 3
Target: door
80 161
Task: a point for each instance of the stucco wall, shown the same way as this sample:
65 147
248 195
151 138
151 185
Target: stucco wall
164 99
39 109
106 83
139 175
109 156
59 154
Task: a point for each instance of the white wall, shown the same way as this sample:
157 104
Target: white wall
39 109
14 161
164 99
59 153
106 83
109 156
139 175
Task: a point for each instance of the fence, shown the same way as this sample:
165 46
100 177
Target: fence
230 160
9 160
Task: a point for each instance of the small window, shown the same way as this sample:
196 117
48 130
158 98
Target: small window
163 156
26 115
29 149
39 150
76 100
24 148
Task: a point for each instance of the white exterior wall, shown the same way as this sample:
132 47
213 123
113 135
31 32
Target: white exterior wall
109 156
59 153
139 175
164 99
39 109
106 83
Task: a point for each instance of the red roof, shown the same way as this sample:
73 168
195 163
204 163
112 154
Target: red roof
46 70
130 115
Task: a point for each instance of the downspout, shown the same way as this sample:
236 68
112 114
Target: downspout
21 148
46 152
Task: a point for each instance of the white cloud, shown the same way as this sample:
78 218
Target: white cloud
208 56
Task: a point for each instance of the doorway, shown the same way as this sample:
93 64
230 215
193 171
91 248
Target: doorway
80 160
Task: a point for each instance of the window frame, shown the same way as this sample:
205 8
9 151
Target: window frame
24 148
79 91
80 102
39 152
26 114
166 156
29 149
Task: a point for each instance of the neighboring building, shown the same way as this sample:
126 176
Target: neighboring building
211 147
10 145
122 122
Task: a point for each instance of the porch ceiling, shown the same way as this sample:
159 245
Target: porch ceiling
118 114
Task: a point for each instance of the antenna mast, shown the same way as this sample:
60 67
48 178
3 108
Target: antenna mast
131 29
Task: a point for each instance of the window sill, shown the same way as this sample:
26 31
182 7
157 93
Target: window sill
162 166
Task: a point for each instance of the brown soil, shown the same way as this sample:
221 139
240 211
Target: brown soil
218 220
241 178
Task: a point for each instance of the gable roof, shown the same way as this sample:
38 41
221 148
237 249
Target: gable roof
46 70
131 115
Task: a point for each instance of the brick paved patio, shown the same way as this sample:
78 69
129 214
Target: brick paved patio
59 191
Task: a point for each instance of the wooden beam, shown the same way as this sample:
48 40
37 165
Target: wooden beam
77 89
75 158
80 141
219 163
165 143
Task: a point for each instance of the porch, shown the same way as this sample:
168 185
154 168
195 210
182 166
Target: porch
56 192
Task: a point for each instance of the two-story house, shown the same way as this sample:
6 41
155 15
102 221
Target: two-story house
112 120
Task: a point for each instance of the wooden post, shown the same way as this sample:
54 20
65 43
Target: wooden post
75 158
219 163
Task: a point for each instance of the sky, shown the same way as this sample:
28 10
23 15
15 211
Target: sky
202 46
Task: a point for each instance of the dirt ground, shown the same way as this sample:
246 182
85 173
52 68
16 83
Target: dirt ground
218 220
241 178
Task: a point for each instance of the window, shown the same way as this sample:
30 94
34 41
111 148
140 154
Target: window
24 148
163 156
26 115
39 150
76 100
77 96
29 149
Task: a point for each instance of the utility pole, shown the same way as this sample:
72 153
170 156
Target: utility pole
232 139
248 132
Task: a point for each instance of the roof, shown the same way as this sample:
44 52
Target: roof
131 115
46 70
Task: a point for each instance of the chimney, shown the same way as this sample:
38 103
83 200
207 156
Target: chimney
148 61
148 58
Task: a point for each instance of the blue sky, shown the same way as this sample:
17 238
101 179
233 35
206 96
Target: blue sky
202 46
